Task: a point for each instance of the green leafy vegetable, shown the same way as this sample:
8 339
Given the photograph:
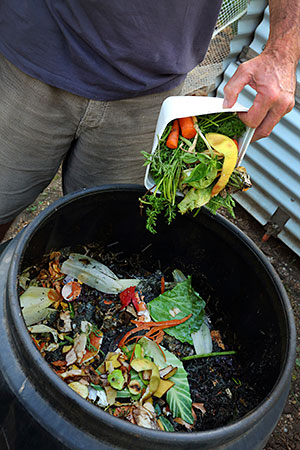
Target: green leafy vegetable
224 123
202 175
178 397
156 205
195 198
185 299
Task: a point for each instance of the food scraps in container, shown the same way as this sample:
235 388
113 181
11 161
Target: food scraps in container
196 159
118 350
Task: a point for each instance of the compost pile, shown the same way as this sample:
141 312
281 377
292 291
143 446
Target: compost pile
196 159
131 342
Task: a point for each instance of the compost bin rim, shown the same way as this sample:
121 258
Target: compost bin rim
253 416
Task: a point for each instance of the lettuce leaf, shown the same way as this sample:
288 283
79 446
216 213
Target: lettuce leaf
185 299
195 198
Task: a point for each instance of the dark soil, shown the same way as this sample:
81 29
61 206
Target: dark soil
286 435
287 264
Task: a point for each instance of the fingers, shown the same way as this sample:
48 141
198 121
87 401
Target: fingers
264 120
266 126
257 112
264 106
235 85
274 86
266 113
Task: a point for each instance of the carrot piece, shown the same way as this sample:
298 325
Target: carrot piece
128 334
151 334
59 363
139 303
187 127
159 337
163 324
132 338
156 334
172 141
107 302
162 282
157 325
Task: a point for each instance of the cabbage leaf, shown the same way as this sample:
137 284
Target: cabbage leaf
185 299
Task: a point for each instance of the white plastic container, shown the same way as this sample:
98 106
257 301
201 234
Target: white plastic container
185 106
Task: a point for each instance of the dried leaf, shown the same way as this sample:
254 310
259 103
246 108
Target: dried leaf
216 336
185 424
200 406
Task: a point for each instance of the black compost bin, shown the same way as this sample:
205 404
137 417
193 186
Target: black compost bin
39 411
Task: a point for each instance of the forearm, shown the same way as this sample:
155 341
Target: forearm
284 36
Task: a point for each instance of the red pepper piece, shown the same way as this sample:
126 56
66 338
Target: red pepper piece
127 296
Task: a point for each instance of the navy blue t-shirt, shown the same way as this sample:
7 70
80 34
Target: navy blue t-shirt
107 49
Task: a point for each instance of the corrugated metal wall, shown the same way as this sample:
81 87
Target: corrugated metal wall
246 29
274 162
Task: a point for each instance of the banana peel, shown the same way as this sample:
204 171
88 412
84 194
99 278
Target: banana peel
141 364
228 148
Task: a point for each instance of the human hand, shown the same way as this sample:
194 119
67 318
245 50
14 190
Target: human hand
274 81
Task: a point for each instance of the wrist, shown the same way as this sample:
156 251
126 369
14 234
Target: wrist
284 38
281 53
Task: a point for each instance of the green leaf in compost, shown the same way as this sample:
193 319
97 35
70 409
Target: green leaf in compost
185 299
166 424
179 396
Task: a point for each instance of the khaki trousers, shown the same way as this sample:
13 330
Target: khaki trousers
98 142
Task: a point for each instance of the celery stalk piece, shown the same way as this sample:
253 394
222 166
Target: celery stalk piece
34 303
95 274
